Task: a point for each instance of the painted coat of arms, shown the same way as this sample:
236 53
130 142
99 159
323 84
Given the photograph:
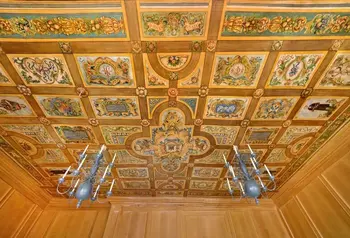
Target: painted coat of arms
172 143
226 108
106 71
237 70
338 74
42 69
61 106
294 70
126 107
173 24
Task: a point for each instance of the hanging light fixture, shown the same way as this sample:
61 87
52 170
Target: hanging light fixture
245 179
82 183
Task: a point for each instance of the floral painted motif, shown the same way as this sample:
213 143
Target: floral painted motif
113 107
75 134
224 135
294 132
42 70
29 148
46 26
199 172
226 108
153 102
110 70
202 185
316 108
170 193
36 132
132 172
5 79
216 157
241 70
151 77
299 145
15 106
52 156
117 135
174 62
338 73
191 102
124 157
61 106
277 156
260 135
294 70
144 184
274 108
172 143
285 24
174 184
173 24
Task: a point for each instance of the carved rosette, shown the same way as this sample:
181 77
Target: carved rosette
136 47
93 122
198 122
306 92
258 93
173 76
245 123
151 47
196 46
150 165
203 91
44 121
172 104
145 123
336 45
65 47
211 45
272 146
141 92
190 165
82 92
287 123
172 92
24 90
276 45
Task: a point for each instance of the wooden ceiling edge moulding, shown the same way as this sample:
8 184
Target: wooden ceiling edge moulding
322 159
21 181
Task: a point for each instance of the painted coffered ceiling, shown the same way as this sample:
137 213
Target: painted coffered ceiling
170 87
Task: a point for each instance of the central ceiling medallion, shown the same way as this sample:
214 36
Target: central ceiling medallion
172 142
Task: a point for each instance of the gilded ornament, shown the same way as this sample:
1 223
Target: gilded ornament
141 92
196 46
65 47
276 45
198 122
173 76
172 92
258 93
172 103
145 123
287 123
93 122
245 123
151 47
203 91
136 47
61 146
82 92
306 92
24 90
211 45
44 121
336 45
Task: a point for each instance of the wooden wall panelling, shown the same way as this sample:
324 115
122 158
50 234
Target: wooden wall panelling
296 219
162 223
326 213
337 177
